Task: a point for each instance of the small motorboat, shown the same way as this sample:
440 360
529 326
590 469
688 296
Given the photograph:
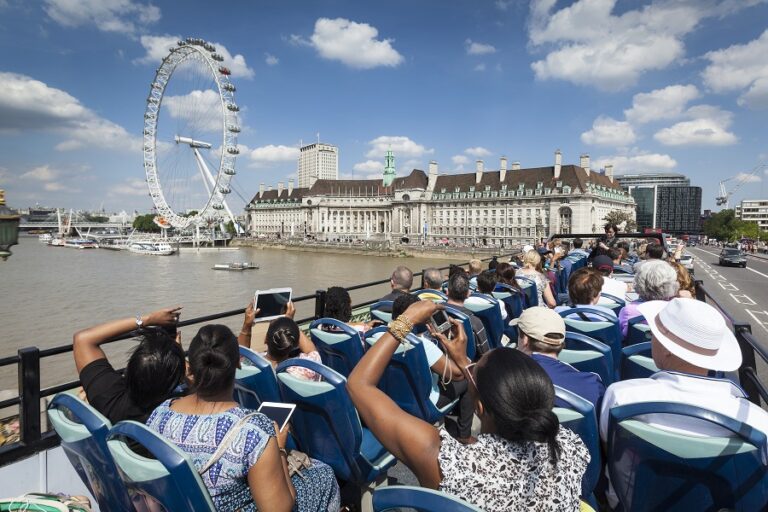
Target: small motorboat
236 266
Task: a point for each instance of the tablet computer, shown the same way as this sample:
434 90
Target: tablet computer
278 412
271 303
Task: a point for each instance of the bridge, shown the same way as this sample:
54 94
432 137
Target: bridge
75 225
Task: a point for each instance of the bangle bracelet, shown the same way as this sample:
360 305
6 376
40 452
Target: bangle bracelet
400 327
284 451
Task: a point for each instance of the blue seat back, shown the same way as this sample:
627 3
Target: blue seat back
326 425
637 362
514 299
612 302
339 345
605 329
487 310
429 294
467 323
529 289
587 354
580 417
566 269
83 432
382 311
407 379
637 331
655 469
420 499
255 381
169 480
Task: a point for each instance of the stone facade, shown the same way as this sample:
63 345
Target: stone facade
485 208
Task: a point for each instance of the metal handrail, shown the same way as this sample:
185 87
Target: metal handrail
28 359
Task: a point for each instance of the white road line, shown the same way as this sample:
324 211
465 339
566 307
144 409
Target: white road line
743 299
756 272
728 287
753 315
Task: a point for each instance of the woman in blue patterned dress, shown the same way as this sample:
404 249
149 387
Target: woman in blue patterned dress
252 474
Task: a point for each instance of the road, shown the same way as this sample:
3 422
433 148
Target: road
743 292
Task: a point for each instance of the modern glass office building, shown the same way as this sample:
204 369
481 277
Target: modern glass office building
664 201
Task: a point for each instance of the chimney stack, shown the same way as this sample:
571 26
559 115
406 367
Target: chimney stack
479 166
609 171
269 188
290 186
261 190
584 163
432 177
503 169
558 163
279 189
515 166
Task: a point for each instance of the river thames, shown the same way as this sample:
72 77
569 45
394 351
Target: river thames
48 293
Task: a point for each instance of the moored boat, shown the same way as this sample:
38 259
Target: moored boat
246 265
152 248
45 238
80 243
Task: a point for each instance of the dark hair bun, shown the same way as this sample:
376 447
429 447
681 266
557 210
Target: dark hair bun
213 357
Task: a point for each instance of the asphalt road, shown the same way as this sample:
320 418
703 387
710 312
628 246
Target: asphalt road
743 292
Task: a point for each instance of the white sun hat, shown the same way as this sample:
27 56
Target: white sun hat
694 331
527 248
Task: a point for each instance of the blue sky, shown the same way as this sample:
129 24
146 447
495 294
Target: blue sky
677 86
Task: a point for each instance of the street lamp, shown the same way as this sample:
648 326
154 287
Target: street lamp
9 228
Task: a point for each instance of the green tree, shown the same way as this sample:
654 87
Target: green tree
96 218
619 216
230 226
146 223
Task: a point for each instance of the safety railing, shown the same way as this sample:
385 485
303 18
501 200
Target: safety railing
28 362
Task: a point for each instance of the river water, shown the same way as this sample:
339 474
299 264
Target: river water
48 293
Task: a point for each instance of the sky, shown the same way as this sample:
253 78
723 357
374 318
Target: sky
649 86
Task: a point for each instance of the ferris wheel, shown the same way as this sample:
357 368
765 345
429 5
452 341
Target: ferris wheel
190 137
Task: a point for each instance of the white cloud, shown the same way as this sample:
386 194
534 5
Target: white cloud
741 68
477 152
271 154
189 107
158 47
636 162
480 67
708 126
409 165
41 173
475 48
354 44
132 187
271 60
29 104
587 44
666 103
744 177
122 16
607 131
53 186
459 160
369 166
401 146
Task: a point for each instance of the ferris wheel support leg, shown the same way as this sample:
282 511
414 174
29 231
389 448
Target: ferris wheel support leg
208 178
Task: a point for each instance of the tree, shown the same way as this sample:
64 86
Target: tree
618 217
230 226
146 223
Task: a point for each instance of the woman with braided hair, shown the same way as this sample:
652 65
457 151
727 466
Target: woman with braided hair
285 340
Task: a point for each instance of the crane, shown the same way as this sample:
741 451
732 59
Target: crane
724 195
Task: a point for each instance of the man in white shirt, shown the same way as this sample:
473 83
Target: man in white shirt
577 250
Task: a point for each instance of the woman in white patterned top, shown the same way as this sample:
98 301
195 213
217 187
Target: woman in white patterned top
523 459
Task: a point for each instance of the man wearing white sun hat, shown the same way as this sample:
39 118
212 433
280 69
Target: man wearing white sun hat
690 338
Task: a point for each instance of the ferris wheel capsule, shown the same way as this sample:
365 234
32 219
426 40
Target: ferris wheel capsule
233 107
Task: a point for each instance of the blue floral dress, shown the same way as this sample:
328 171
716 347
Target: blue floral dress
227 479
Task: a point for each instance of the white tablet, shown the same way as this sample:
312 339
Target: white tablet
278 412
271 303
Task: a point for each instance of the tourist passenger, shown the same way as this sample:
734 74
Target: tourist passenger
493 263
486 283
611 286
653 251
687 287
532 269
611 230
253 472
577 250
284 340
655 280
584 287
155 367
338 305
506 273
458 291
523 458
400 282
541 335
475 267
433 279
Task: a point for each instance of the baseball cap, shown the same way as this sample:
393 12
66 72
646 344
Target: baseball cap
602 262
542 324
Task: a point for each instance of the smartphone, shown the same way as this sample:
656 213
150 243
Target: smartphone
272 303
440 321
278 412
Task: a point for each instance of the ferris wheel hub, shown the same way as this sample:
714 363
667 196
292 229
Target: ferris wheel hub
192 143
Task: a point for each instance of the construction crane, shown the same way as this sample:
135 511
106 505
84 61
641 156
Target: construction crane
724 195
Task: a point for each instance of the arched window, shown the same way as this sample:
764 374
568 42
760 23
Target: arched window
565 220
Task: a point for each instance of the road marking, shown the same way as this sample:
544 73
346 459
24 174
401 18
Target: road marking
743 299
728 287
756 272
754 314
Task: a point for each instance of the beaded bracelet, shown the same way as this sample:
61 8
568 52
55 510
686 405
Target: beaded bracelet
400 327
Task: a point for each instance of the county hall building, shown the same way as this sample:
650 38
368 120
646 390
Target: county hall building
507 206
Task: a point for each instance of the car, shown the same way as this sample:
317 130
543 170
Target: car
733 256
686 260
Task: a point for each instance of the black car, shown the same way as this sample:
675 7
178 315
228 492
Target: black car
729 256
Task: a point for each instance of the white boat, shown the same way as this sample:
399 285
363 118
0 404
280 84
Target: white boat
56 241
80 243
153 248
45 238
246 265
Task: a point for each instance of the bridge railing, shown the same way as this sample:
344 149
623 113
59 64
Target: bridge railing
29 362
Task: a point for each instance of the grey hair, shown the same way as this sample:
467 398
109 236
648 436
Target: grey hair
433 278
402 278
656 280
